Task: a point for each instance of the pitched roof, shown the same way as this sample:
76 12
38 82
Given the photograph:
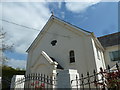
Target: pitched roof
72 25
110 40
51 60
58 66
62 21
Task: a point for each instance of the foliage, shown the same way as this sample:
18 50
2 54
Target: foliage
111 79
37 85
4 47
8 72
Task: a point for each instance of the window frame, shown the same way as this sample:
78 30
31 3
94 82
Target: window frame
72 56
112 55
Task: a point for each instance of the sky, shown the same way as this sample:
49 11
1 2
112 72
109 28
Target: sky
98 17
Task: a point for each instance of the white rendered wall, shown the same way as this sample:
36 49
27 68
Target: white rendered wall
67 40
98 60
15 85
42 66
65 77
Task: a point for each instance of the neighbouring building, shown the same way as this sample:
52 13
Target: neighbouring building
111 44
61 45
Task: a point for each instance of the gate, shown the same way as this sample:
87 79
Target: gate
35 81
104 80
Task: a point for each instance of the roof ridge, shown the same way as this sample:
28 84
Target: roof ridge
60 20
72 24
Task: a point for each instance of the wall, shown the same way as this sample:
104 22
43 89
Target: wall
28 66
107 57
1 58
99 57
42 66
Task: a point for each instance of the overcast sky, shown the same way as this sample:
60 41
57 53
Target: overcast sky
98 17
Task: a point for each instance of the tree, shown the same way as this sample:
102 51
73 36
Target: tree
3 47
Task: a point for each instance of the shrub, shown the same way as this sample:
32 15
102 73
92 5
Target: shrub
111 79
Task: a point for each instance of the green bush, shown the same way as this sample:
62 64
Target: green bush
7 74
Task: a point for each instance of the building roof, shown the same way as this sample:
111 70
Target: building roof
58 66
110 39
73 25
51 19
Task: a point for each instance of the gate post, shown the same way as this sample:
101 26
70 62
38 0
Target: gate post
65 77
14 82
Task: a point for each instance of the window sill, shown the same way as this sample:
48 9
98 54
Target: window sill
72 63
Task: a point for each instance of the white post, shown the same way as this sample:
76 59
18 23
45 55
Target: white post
15 85
67 79
54 78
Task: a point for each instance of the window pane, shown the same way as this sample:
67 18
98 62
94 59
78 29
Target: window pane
119 55
111 56
72 57
71 53
115 55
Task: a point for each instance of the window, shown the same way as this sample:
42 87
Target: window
54 42
115 55
98 53
72 56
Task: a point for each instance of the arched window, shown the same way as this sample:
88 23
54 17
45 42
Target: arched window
72 56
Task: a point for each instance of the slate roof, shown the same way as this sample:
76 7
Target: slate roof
58 66
110 40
